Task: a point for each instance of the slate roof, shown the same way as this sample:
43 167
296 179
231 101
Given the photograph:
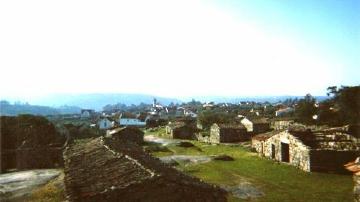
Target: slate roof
106 170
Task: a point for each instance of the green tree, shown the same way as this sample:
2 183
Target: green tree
347 101
305 110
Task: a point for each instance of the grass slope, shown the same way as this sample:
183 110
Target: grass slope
279 182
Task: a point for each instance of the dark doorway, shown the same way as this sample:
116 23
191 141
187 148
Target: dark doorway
284 152
272 151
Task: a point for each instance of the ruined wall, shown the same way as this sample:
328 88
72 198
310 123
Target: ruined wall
202 138
299 154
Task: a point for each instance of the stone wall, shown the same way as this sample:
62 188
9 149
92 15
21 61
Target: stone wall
258 145
214 134
357 188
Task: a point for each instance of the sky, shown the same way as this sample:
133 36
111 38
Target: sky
178 48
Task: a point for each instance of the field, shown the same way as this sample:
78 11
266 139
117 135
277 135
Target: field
277 181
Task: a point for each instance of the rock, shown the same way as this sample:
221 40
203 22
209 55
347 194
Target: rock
16 185
244 190
186 144
185 159
223 158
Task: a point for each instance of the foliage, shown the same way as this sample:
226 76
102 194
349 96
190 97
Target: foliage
347 100
209 117
305 109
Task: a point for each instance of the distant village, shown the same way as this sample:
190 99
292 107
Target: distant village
291 132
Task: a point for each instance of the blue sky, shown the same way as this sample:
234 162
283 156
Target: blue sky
330 28
178 48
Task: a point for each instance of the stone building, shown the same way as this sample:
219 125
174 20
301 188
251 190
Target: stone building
258 141
324 151
102 169
223 133
256 125
181 130
354 167
132 134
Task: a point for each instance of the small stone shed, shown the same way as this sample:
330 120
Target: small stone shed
106 170
226 133
354 167
322 151
256 125
258 141
132 134
181 130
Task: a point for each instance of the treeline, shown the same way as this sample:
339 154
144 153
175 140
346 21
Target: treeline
342 107
8 109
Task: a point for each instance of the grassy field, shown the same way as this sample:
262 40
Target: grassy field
279 182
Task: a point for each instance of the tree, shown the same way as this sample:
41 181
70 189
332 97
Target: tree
305 110
347 100
208 117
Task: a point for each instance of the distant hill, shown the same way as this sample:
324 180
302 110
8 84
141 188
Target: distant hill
237 99
9 109
98 100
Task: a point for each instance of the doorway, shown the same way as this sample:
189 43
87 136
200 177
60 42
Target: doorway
272 151
285 152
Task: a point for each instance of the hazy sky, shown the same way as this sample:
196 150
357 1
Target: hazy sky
178 48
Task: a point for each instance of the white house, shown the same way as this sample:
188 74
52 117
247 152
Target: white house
132 122
105 123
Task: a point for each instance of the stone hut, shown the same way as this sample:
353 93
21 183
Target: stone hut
132 134
102 169
354 167
226 133
181 130
323 151
256 125
258 141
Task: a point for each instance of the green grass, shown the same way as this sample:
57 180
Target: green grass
279 182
